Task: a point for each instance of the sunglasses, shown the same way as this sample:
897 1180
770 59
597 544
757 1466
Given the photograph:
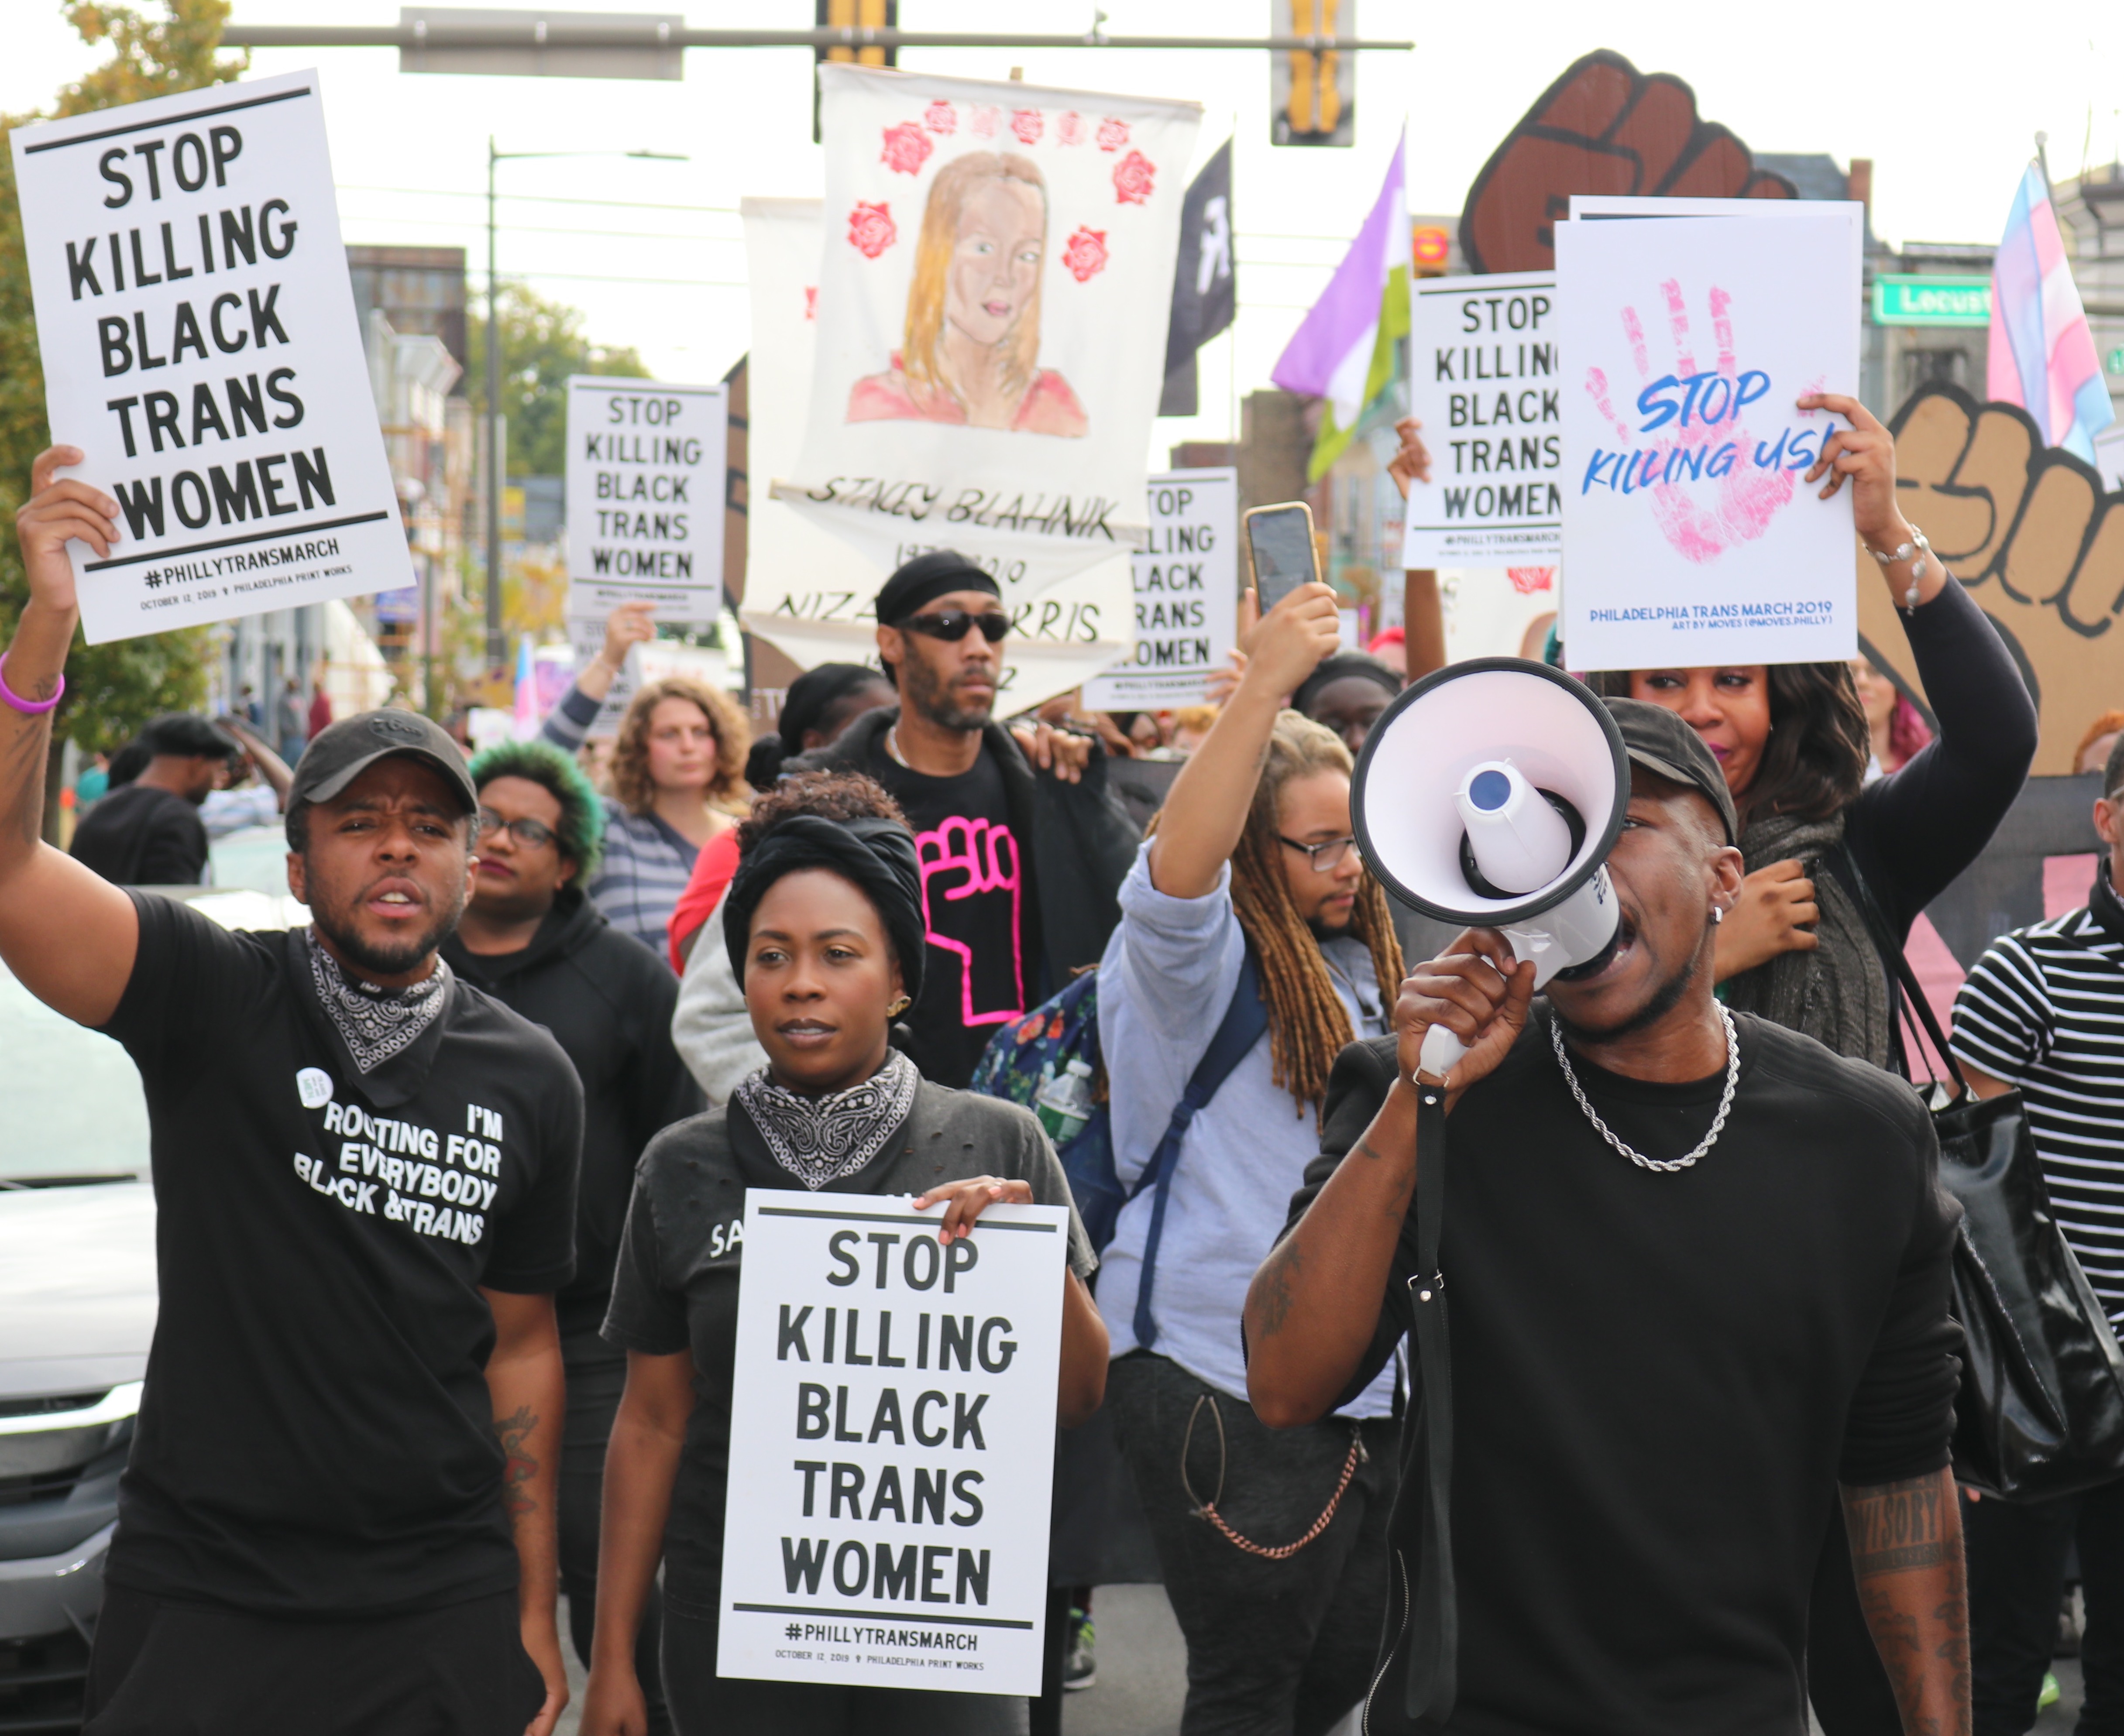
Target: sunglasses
953 625
529 834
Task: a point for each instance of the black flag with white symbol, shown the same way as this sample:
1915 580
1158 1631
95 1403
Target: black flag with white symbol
1204 282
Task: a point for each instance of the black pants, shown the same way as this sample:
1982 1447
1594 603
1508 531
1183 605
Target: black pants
704 1704
162 1668
597 1375
1845 1678
2017 1557
1274 1648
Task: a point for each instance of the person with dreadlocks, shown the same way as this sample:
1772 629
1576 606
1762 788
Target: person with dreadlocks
1281 1592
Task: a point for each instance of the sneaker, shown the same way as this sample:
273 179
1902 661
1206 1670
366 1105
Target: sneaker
1080 1666
2049 1697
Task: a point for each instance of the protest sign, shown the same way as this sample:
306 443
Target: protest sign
200 347
892 1440
809 592
1689 537
645 493
1486 383
1186 595
992 307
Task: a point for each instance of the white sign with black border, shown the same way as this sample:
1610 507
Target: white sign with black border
892 1440
200 347
1186 595
645 496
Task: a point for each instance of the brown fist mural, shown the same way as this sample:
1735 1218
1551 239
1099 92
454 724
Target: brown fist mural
1603 127
2028 530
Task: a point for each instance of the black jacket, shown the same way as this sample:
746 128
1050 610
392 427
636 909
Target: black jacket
607 1001
140 836
1082 843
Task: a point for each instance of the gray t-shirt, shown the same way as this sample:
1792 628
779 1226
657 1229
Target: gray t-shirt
676 1287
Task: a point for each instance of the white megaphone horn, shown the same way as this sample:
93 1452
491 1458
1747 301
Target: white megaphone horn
1489 795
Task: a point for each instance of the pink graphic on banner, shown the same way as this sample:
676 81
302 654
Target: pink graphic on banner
986 115
1113 134
1527 580
1028 124
941 117
1070 129
870 228
985 856
907 147
1085 256
1134 177
810 301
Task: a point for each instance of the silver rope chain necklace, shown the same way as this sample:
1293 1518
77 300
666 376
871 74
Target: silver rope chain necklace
1718 1122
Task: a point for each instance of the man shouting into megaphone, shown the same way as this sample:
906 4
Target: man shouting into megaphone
1697 1267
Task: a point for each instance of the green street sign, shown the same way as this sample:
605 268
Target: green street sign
1932 301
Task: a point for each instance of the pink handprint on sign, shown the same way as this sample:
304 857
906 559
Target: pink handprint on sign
1697 415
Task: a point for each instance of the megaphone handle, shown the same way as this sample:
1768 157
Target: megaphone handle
1441 1050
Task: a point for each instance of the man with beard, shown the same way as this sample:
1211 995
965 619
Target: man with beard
339 1512
1019 868
1698 1268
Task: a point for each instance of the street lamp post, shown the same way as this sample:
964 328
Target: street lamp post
495 651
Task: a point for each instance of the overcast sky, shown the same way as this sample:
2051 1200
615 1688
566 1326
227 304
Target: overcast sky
1947 111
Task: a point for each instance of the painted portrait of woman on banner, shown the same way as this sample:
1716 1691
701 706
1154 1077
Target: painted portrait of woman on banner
971 353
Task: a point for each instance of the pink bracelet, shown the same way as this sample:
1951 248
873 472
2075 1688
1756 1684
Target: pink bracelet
28 707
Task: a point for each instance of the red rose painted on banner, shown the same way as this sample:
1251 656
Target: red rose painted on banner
1113 134
907 147
1070 129
984 119
1526 580
1132 178
941 117
870 228
1028 124
1085 256
810 301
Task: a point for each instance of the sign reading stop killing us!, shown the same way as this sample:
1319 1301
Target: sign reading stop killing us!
1485 380
200 347
645 494
1186 595
892 1438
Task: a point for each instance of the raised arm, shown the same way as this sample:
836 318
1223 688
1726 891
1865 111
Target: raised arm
529 1391
1906 1551
65 931
628 625
1206 810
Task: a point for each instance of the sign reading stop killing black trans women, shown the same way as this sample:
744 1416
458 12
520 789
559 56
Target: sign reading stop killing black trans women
200 347
645 494
892 1445
1486 381
1186 595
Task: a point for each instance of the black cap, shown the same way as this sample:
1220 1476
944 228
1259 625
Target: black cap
340 753
1657 739
185 735
926 577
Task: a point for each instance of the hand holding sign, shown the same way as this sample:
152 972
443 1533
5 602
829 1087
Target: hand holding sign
61 509
1865 452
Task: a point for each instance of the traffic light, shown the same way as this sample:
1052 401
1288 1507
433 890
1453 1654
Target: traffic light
1313 96
841 15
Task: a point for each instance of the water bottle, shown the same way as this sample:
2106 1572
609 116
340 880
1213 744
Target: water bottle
1064 1104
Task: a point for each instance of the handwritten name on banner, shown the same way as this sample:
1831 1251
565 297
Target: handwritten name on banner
892 1440
1691 538
200 347
1487 382
644 492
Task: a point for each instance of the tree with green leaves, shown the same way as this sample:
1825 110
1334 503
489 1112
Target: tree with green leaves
542 343
111 689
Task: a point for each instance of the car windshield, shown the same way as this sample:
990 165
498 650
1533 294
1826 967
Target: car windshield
74 1105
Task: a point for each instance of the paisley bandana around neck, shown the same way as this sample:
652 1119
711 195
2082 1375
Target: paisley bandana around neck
820 1139
375 1023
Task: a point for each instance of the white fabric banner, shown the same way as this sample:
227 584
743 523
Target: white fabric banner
200 346
993 294
892 1444
644 495
1690 538
809 592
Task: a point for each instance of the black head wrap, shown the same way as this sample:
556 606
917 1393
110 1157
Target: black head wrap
926 577
1334 668
810 696
878 856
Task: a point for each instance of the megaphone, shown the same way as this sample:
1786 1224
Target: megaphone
1488 795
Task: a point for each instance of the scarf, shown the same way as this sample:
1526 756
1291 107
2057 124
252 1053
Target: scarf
375 1023
1837 994
821 1140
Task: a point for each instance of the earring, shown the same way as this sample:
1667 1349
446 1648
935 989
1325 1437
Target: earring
898 1008
1717 914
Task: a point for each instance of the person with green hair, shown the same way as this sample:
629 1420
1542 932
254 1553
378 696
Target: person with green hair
530 938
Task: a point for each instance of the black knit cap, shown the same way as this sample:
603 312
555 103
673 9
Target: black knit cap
810 696
1659 741
926 577
1341 665
878 856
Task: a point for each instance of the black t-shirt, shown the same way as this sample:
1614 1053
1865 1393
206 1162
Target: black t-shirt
1659 1379
973 888
139 836
677 1286
315 1438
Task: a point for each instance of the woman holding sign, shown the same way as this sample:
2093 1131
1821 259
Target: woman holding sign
824 927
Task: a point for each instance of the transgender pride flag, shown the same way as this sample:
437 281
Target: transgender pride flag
2042 355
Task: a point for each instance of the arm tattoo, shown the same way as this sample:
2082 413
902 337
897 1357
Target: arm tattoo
1897 1526
1365 1147
518 1467
1907 1553
1283 1262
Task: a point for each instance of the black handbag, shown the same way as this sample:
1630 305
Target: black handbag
2040 1410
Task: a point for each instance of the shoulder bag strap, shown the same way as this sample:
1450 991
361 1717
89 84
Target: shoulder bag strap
1244 1021
1434 1657
1844 866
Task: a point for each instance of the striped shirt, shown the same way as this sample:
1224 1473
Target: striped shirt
2044 1009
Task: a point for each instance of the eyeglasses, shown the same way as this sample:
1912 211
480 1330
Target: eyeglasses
530 834
953 625
1327 857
